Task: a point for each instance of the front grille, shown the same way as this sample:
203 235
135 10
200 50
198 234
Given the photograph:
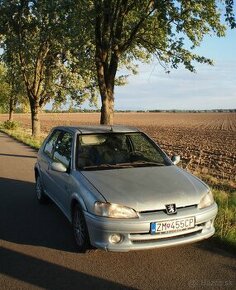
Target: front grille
159 239
194 206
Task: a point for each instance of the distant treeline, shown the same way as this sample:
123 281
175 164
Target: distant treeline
73 110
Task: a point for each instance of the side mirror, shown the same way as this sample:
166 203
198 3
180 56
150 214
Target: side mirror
59 167
175 159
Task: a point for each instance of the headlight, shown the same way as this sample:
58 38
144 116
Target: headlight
114 210
207 200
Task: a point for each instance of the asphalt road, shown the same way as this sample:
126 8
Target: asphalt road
37 250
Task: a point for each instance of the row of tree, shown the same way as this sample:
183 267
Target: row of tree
55 49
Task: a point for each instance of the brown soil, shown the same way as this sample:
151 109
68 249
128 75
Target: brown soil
206 142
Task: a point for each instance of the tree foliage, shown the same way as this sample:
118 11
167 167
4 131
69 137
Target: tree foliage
122 32
4 90
72 48
34 32
12 91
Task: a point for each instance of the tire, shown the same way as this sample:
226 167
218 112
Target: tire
40 195
80 230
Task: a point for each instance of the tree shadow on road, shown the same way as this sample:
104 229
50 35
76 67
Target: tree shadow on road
17 155
23 220
48 275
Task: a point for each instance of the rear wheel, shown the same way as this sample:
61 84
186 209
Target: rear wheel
80 230
41 196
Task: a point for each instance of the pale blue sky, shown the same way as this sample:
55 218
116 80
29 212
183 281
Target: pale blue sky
212 87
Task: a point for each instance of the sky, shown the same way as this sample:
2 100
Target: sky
211 87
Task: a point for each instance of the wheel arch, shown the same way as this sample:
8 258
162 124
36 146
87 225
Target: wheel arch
76 199
36 172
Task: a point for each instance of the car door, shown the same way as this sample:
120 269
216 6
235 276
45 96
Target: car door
60 186
45 160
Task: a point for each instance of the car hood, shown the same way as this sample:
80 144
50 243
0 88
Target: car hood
147 188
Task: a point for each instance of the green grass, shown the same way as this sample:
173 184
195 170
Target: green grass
218 184
225 222
224 192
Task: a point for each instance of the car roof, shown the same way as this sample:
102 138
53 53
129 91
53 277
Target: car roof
99 129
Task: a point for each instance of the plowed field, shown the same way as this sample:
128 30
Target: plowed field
206 142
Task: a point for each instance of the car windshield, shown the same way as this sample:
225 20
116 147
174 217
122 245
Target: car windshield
118 150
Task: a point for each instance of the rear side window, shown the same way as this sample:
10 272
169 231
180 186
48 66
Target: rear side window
62 152
50 145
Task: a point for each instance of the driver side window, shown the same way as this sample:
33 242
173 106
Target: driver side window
63 148
51 143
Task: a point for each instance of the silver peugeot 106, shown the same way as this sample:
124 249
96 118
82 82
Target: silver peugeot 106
120 191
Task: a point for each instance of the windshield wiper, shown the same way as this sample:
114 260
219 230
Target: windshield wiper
107 166
147 163
122 165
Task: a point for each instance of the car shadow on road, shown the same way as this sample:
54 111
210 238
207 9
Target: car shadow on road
48 275
23 220
214 246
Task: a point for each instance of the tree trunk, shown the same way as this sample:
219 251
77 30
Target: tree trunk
11 108
107 55
106 79
10 115
107 110
35 119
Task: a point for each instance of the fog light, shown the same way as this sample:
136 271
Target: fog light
208 224
115 238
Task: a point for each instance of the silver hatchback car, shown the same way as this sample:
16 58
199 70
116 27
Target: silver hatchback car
120 191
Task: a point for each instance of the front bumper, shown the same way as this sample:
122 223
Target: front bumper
136 234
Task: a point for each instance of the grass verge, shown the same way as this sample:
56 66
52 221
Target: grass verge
23 135
224 193
225 222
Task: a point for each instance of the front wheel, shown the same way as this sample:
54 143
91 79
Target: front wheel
80 230
40 195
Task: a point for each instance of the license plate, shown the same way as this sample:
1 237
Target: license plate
173 225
